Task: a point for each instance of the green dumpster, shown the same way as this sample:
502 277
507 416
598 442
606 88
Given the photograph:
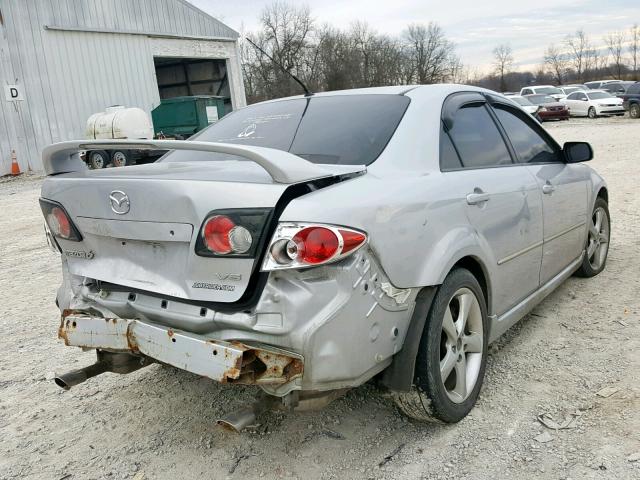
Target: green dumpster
181 117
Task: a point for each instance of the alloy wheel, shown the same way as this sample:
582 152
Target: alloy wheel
598 238
461 345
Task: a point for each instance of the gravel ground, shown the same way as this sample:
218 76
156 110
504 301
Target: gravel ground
159 423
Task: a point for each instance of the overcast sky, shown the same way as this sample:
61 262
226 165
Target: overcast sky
475 26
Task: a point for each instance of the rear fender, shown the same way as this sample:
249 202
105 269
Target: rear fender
465 243
455 245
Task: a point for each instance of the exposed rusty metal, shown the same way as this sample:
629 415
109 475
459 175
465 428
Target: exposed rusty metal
264 367
66 324
227 362
131 341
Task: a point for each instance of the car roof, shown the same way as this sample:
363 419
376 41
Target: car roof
441 90
391 90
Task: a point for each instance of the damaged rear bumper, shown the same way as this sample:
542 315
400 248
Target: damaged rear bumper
227 362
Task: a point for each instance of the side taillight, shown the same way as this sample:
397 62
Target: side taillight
58 221
298 245
232 233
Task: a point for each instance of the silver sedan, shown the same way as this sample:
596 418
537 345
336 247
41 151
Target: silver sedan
310 244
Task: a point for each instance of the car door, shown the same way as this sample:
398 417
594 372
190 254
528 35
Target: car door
563 189
581 104
572 103
502 200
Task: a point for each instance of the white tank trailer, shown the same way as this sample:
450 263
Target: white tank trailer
117 122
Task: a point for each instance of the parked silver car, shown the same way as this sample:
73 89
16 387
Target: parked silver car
310 244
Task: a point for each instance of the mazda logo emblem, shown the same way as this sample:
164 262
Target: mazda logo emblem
119 202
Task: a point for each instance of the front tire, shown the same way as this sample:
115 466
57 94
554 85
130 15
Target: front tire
592 113
452 356
634 111
597 247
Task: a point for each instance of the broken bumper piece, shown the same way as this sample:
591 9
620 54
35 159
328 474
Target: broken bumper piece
216 359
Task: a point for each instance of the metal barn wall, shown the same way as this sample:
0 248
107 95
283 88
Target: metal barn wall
72 58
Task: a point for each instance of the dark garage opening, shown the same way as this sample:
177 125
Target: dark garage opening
179 77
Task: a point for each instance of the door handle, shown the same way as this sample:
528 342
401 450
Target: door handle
477 198
548 189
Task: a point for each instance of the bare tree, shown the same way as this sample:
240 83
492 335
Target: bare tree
432 56
615 44
557 62
634 49
595 61
285 36
329 58
579 46
503 61
379 56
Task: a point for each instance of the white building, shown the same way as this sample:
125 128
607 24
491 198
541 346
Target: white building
62 60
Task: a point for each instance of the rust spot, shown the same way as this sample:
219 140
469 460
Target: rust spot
114 321
258 366
170 333
131 340
62 332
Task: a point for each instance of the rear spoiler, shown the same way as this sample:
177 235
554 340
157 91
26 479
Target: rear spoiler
283 167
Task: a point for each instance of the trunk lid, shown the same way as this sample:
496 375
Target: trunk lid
151 247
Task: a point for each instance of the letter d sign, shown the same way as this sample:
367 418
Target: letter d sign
13 93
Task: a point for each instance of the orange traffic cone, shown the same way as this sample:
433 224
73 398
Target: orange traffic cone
15 168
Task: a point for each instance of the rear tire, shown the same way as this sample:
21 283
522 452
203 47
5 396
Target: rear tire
592 113
597 246
452 355
97 159
120 158
634 111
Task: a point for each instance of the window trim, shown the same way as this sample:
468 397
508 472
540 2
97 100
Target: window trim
537 128
451 103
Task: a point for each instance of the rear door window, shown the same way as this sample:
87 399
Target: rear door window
529 144
477 139
449 159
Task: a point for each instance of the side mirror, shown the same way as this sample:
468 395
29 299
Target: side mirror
576 152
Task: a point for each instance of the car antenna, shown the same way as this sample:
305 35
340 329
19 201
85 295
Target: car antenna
307 92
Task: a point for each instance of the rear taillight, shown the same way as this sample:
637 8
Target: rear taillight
232 233
58 221
296 245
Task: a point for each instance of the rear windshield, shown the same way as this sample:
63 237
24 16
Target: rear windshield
569 90
548 90
341 129
540 99
522 101
599 95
